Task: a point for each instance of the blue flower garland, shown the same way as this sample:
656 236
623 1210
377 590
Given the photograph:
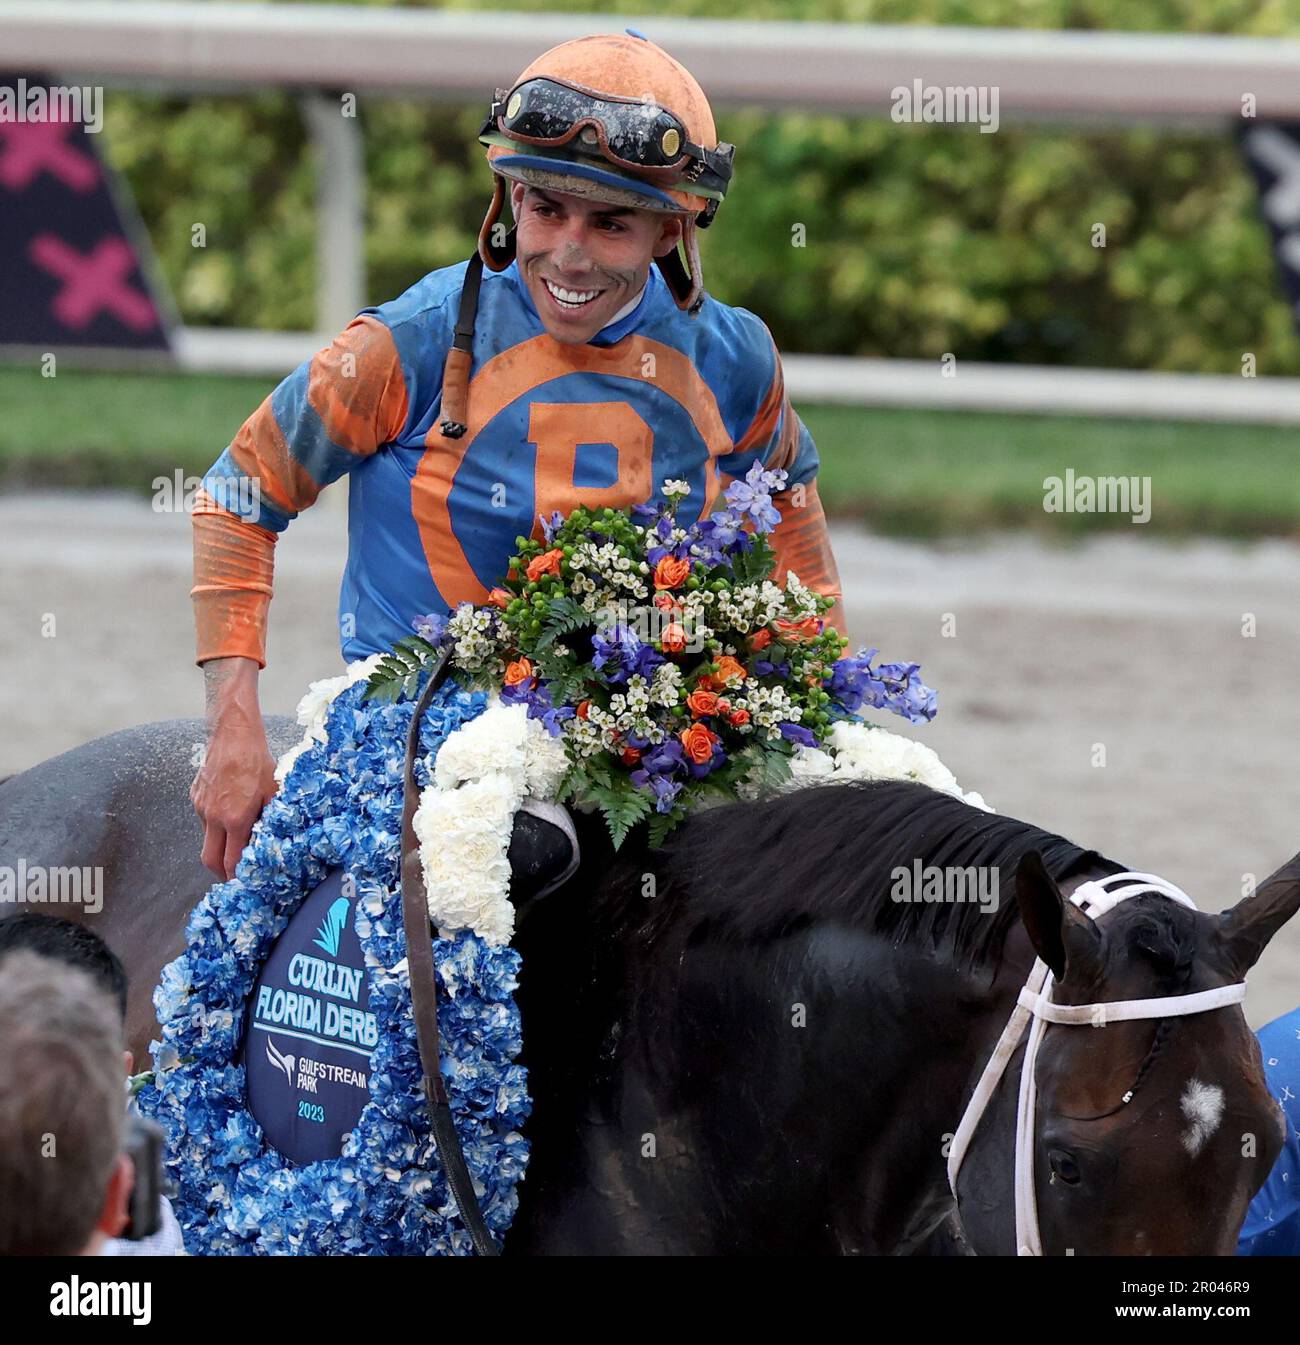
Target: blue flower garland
339 806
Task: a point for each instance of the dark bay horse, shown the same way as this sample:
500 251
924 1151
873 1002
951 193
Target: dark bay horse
745 1044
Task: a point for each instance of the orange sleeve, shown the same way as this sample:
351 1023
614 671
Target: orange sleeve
802 543
233 565
330 414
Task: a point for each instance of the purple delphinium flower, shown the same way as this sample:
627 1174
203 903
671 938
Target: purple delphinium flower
432 627
619 652
659 765
665 547
752 496
664 758
890 686
536 695
909 696
796 733
699 769
664 790
551 525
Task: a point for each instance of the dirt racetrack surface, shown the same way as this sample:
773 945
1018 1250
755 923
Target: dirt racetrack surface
1048 662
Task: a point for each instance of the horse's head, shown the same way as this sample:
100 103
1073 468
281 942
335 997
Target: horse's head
1150 1136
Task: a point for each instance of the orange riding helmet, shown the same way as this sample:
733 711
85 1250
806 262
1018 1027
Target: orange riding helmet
612 118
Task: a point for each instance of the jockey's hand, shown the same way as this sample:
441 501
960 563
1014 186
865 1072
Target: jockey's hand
237 777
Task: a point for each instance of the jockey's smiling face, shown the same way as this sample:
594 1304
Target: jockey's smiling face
585 248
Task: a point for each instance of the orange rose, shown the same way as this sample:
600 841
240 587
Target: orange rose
547 563
762 639
738 717
702 703
798 631
518 671
499 598
665 602
584 709
698 742
671 572
673 640
630 756
728 671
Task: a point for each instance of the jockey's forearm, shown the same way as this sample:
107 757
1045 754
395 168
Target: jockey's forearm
802 543
234 565
230 694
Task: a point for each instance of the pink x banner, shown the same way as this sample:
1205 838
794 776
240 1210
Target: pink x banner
75 266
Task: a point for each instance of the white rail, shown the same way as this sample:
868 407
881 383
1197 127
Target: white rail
901 383
854 68
808 65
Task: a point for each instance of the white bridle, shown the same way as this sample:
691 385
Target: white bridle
1034 1001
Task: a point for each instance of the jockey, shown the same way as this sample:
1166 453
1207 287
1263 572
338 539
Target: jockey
554 368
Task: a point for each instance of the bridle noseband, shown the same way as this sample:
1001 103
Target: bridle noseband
1034 1002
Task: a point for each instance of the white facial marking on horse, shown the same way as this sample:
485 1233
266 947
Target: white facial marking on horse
1202 1104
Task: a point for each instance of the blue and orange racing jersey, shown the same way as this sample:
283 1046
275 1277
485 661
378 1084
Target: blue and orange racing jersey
432 521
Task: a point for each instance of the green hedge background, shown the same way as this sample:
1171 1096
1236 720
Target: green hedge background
919 239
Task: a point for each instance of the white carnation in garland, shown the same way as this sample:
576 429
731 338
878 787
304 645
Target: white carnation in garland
545 762
857 751
314 708
492 744
483 773
811 766
464 835
504 741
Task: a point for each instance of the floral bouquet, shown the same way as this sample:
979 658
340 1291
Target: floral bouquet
662 654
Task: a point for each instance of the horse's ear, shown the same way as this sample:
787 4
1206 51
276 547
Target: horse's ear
1252 922
1059 931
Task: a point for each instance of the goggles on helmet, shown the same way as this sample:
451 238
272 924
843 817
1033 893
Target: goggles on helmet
631 132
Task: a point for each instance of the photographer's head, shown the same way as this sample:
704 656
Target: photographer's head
65 1182
70 943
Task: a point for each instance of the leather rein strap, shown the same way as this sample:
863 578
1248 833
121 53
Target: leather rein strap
424 991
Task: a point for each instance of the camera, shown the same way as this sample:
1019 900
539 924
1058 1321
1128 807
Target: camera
144 1147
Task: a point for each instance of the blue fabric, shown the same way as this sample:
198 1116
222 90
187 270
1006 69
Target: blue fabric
432 521
1272 1226
592 172
728 368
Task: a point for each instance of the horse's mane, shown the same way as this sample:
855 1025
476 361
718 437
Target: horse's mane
757 870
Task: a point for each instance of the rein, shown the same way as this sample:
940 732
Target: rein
424 990
1035 1009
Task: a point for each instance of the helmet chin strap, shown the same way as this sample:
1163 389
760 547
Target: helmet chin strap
684 278
1034 1007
